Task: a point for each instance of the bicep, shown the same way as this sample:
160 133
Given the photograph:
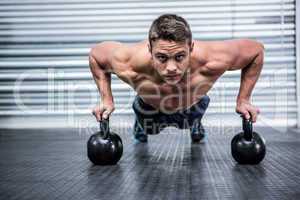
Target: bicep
103 51
231 54
241 52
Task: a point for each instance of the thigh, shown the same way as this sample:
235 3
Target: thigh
197 110
147 116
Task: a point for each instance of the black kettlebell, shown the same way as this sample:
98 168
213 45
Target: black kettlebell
248 147
104 147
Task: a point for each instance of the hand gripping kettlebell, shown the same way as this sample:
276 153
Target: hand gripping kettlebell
104 147
248 147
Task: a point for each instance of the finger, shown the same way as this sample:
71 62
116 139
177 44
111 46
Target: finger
105 114
258 111
244 113
253 114
94 112
98 116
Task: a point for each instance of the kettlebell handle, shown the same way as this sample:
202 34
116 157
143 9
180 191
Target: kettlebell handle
247 128
104 128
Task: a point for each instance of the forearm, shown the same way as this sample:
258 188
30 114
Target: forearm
250 75
102 79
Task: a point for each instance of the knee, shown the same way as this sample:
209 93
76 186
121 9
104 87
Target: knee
204 101
200 107
140 107
135 104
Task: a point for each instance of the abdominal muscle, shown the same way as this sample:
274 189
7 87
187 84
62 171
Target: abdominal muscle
167 99
171 104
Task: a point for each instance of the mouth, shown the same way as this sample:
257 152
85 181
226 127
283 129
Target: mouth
172 76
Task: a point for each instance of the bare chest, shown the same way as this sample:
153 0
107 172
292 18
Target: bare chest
173 97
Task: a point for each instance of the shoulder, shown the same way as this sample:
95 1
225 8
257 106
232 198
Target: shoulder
219 49
215 51
212 56
112 51
136 56
130 53
103 51
221 55
224 45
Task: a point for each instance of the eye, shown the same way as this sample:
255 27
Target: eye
180 57
161 58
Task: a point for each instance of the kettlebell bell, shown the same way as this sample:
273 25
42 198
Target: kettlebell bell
248 147
104 147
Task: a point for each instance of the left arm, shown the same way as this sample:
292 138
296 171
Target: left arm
248 56
251 60
249 76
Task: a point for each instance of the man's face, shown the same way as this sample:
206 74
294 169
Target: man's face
171 59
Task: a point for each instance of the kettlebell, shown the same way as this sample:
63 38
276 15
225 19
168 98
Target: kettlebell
248 147
104 147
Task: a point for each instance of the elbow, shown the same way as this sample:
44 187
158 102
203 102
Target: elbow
254 47
95 57
259 46
98 52
92 53
259 49
260 55
92 61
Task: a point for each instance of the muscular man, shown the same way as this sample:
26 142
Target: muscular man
171 74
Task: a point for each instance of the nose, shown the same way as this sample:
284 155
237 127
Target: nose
171 67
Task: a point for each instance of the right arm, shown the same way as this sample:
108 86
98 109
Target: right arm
100 67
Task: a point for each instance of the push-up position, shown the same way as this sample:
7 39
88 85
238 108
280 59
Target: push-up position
171 74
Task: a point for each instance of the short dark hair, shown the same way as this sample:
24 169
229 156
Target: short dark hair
170 27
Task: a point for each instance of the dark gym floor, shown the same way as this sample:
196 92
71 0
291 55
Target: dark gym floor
52 164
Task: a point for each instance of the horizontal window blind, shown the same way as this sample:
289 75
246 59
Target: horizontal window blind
44 49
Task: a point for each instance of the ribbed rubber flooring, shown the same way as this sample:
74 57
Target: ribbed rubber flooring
52 164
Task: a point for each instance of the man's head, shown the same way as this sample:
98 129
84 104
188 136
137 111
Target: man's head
170 44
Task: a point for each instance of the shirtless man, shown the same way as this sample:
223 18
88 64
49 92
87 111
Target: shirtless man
172 73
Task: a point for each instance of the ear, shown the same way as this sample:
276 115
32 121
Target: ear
192 46
149 47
